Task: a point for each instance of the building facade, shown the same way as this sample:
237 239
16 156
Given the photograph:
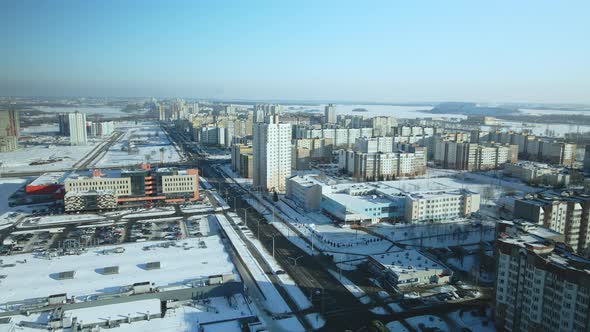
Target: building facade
540 285
77 123
9 130
271 145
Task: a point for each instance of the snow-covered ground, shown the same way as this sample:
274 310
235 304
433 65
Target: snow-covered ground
473 321
274 301
7 187
420 323
289 284
178 266
355 290
148 138
396 326
437 235
64 156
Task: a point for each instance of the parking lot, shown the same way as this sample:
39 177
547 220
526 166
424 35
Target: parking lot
18 242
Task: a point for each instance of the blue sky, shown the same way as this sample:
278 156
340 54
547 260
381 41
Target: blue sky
398 51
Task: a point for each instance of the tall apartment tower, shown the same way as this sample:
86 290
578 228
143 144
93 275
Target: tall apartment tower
330 113
272 154
9 130
77 122
540 284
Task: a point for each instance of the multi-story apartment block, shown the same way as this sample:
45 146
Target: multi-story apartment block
567 214
330 114
272 154
319 148
471 156
9 130
540 284
382 166
77 123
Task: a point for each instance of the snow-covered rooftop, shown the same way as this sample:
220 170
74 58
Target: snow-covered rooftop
179 264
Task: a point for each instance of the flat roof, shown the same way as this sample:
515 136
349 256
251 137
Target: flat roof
177 267
49 179
407 261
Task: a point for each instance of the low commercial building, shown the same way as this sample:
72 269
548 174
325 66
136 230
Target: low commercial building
410 201
143 185
305 191
540 284
408 267
538 173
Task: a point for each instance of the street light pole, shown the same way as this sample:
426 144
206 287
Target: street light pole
273 246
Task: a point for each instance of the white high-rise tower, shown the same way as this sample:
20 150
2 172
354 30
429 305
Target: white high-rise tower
77 123
330 114
272 154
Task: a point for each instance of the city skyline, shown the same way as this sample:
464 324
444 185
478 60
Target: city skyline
501 52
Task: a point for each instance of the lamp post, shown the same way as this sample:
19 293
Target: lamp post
294 260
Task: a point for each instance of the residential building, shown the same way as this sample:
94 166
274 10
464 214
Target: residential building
272 154
383 125
300 158
102 129
473 157
241 160
538 173
540 284
319 148
382 166
63 120
77 122
567 214
330 114
9 130
374 144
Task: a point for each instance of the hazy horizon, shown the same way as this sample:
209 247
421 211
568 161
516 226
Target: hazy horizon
427 52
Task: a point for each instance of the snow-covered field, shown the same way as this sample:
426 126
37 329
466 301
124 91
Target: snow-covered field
147 138
177 267
437 235
19 160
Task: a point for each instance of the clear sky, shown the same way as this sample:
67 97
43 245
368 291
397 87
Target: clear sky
398 51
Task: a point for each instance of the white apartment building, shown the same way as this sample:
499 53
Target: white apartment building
77 122
382 166
272 154
330 114
442 205
374 144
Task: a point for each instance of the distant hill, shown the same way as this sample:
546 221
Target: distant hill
471 109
